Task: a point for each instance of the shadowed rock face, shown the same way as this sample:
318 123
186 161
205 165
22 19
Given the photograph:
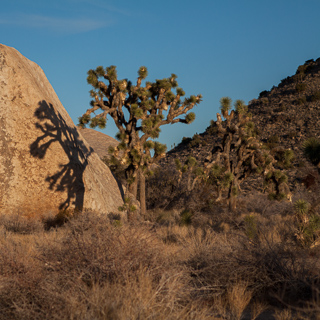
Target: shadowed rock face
45 164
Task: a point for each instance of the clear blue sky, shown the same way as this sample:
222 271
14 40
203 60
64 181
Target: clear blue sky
234 48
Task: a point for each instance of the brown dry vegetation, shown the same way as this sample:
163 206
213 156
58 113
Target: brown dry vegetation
174 265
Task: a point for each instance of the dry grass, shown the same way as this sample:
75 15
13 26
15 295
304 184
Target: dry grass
92 268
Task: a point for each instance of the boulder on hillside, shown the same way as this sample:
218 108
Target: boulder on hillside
99 141
45 164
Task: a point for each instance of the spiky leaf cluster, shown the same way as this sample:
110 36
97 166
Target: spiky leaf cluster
301 207
311 148
307 223
225 103
240 107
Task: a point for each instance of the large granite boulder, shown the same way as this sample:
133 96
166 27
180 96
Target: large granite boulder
45 164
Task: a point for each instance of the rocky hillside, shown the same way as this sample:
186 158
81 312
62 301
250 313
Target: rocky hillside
286 115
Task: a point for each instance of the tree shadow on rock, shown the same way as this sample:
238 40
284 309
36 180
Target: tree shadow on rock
70 176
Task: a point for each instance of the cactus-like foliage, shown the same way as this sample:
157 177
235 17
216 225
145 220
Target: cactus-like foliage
301 207
239 154
311 148
307 223
192 170
138 112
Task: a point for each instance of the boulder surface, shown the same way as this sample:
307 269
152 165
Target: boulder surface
45 164
99 141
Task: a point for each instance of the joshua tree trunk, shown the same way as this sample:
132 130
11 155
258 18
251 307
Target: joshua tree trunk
232 203
133 188
131 176
232 196
142 193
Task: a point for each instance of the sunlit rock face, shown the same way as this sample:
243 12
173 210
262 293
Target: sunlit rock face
99 141
45 164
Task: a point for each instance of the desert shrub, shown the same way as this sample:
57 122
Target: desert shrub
300 87
285 157
302 100
315 96
300 73
92 248
186 140
272 142
74 272
163 188
292 134
195 141
250 226
308 232
276 196
164 217
285 81
301 208
158 271
269 270
212 129
264 93
301 69
307 223
19 223
274 139
311 149
282 107
186 217
25 293
59 219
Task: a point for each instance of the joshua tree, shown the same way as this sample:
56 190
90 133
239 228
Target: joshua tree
138 112
193 171
239 154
